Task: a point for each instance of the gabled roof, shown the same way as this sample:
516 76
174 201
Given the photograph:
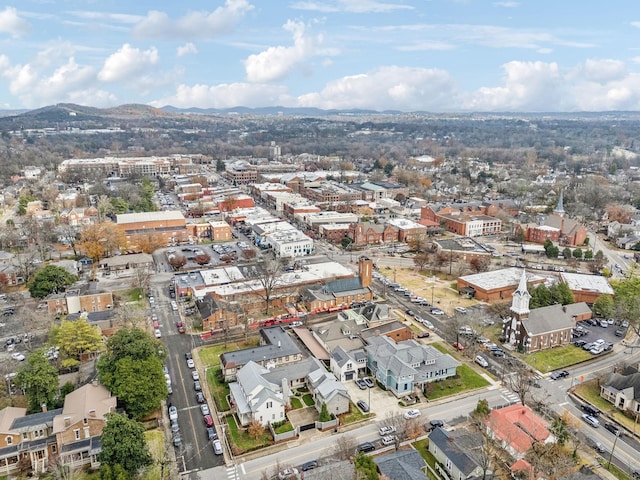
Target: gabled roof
8 415
89 401
623 382
401 465
277 343
35 421
553 317
519 426
457 448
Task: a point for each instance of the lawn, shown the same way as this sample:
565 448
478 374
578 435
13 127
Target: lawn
466 379
353 416
210 356
219 390
560 357
308 400
242 442
129 295
591 393
296 403
422 446
155 445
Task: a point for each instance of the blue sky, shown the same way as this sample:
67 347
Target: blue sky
432 55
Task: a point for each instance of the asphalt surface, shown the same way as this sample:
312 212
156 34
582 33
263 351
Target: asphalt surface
196 452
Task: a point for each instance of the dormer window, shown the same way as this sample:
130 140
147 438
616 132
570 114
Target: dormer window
9 440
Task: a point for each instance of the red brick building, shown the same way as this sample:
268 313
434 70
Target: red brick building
168 225
363 233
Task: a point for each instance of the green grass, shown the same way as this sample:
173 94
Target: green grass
296 403
614 470
210 356
285 427
308 400
422 446
219 389
242 442
353 415
441 348
554 358
155 445
466 379
590 391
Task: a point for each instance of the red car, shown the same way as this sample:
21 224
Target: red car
458 346
180 326
208 420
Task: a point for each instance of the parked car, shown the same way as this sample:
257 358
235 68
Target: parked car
361 384
288 473
362 405
433 424
175 428
157 333
309 465
613 428
619 333
197 386
413 413
177 441
480 360
604 323
411 313
18 356
598 447
200 397
204 408
579 343
195 375
386 430
460 310
368 382
458 346
365 447
590 409
436 311
173 413
208 420
427 324
389 440
217 447
211 433
423 334
593 421
497 352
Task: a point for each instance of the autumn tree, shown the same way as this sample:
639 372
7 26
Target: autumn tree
76 338
202 259
101 240
479 264
148 242
177 262
255 429
249 254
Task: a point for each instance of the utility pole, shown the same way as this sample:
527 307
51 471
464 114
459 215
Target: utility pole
612 449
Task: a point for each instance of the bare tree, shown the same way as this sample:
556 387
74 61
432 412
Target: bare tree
141 276
344 447
270 279
520 379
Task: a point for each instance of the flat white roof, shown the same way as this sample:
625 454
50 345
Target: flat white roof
502 278
404 223
588 283
316 272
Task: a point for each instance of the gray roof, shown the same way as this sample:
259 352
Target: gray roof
401 465
343 285
293 371
400 357
553 318
26 423
277 343
622 382
456 448
252 389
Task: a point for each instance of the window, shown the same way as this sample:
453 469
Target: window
85 421
54 448
9 440
269 404
25 436
77 434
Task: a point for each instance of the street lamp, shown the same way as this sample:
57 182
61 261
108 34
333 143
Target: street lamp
432 289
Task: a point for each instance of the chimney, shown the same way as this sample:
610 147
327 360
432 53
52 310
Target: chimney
67 421
365 267
94 383
564 308
92 413
450 438
279 345
44 407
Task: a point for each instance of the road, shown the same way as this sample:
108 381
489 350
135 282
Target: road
196 452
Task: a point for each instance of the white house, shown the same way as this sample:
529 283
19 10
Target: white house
256 399
345 365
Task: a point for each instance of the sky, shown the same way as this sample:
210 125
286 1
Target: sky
407 55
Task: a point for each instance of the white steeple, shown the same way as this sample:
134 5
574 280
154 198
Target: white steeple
521 297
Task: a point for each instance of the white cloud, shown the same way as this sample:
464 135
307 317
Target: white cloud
506 4
426 46
351 6
276 62
12 24
69 82
603 71
227 96
397 88
106 16
127 62
194 24
186 49
528 86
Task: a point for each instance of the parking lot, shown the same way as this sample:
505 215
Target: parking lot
588 333
380 402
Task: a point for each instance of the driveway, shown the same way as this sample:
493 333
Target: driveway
380 402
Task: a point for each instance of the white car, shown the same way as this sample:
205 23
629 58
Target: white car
436 311
288 473
204 408
389 440
157 333
190 363
388 430
173 413
195 375
413 413
480 360
427 324
18 356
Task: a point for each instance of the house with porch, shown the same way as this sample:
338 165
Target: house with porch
458 453
401 367
622 390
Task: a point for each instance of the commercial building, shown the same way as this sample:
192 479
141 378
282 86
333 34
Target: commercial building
169 225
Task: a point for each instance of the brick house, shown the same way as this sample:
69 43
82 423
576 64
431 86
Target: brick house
79 300
363 233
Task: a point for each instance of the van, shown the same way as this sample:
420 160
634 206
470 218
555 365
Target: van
365 447
593 421
591 410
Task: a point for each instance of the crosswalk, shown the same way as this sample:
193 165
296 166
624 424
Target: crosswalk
509 396
232 473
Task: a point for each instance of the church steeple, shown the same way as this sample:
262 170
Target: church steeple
559 210
521 297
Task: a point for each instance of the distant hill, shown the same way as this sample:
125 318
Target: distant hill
310 111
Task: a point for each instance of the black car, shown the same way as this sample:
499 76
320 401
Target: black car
590 409
558 374
433 424
613 428
580 343
309 465
497 353
410 313
366 447
423 334
187 356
